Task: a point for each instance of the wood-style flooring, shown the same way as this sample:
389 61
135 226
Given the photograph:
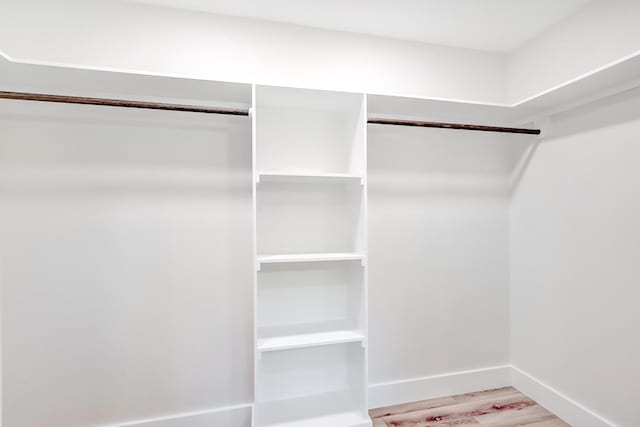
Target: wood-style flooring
502 407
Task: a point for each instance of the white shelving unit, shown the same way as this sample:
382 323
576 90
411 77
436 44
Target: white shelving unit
310 282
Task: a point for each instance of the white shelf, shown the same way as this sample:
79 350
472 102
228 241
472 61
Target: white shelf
288 342
21 75
306 176
314 257
608 80
344 419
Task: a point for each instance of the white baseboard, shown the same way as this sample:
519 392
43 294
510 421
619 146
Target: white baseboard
411 390
415 389
228 416
563 406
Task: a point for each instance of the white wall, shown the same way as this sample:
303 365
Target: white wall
438 250
125 252
160 40
575 244
603 32
126 36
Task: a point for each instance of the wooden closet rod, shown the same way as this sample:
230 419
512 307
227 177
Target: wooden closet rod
23 96
482 128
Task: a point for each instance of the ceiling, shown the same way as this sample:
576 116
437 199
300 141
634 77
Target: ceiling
493 25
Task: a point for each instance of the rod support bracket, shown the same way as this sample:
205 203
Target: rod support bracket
545 125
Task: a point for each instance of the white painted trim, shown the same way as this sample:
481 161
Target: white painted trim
422 388
561 405
576 79
187 417
416 389
505 104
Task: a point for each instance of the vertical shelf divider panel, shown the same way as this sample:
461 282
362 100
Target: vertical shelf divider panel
255 253
310 258
363 127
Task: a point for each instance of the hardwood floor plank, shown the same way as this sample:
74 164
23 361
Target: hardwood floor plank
555 422
466 422
403 408
486 394
515 417
416 419
503 407
458 422
379 422
479 406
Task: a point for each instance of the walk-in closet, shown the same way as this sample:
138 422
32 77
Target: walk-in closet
319 214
